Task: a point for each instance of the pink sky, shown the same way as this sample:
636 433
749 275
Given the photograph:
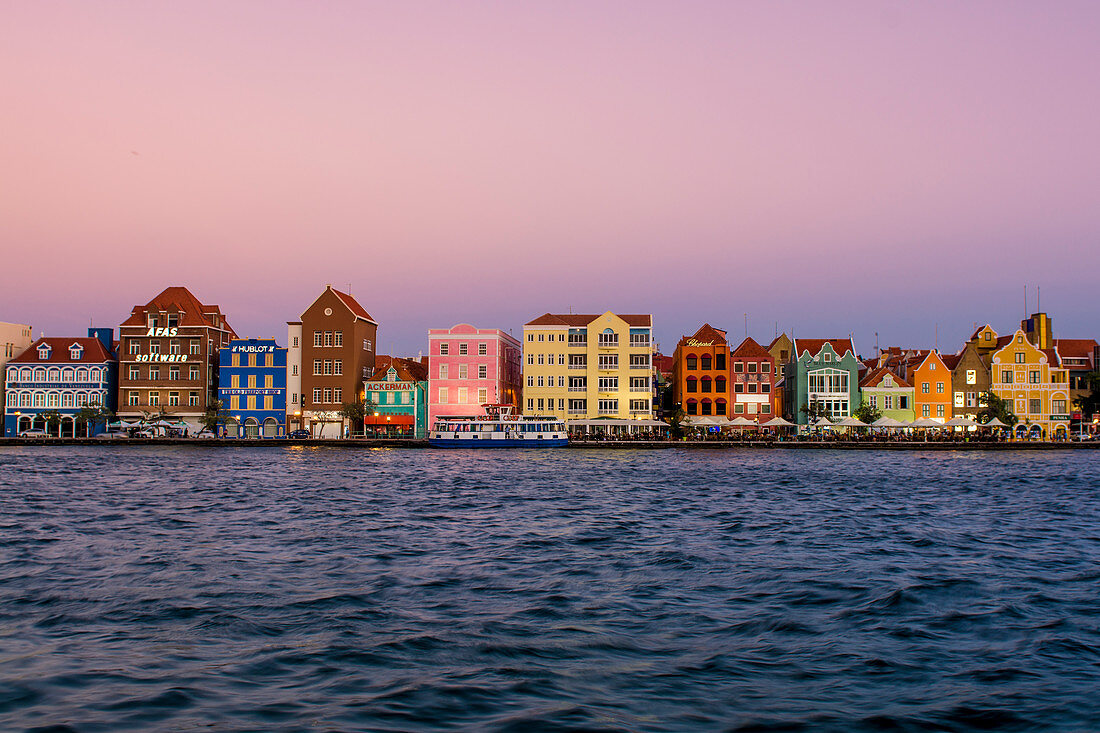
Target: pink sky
830 167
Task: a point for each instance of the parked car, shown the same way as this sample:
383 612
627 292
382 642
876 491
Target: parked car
34 433
298 434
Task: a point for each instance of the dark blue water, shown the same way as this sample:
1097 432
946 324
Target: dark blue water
322 589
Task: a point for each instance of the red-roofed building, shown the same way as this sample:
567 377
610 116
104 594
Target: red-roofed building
701 373
330 351
752 376
168 358
397 393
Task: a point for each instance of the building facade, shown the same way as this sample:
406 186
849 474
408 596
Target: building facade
588 366
469 367
396 393
1031 377
780 349
931 382
822 372
970 381
753 379
15 338
252 388
336 340
61 376
168 358
887 392
701 372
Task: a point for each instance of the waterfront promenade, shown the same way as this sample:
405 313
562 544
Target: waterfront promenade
412 443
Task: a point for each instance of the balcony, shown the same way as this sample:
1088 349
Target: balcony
578 411
578 389
639 389
578 344
605 344
640 366
578 366
606 411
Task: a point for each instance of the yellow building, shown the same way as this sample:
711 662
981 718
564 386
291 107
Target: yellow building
588 366
1031 377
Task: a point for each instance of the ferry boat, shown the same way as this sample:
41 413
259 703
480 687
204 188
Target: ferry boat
499 427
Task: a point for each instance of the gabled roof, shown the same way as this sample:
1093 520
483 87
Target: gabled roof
94 351
951 360
979 330
180 300
750 348
814 346
1052 357
353 305
706 333
579 320
776 340
408 370
875 377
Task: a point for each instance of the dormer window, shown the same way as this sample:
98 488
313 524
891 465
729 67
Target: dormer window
44 352
173 320
76 352
391 375
153 320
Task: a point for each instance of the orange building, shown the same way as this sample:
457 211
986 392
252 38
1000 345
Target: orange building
701 373
931 380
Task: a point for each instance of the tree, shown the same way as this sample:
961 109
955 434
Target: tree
354 412
676 423
866 413
1089 405
992 406
213 417
814 411
89 415
52 419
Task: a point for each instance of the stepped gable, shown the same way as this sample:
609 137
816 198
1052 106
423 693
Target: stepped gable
875 377
580 320
750 347
94 351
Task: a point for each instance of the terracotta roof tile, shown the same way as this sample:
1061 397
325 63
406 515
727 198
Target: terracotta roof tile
750 347
875 376
353 305
579 320
178 300
408 370
814 346
94 351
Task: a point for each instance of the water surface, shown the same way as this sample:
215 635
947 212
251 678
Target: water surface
164 588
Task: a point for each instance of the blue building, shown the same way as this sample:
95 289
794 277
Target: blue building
252 388
64 379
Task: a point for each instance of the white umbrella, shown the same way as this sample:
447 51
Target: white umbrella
778 422
824 422
887 422
960 422
994 423
851 422
925 422
741 422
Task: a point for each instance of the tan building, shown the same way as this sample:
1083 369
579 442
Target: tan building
168 357
14 339
330 351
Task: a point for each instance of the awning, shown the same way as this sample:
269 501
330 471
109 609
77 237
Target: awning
398 420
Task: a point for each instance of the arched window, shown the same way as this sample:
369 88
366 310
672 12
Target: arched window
705 407
67 375
706 384
720 385
692 384
719 407
55 375
67 399
25 374
609 338
39 399
82 375
40 375
691 362
25 399
53 399
705 362
692 407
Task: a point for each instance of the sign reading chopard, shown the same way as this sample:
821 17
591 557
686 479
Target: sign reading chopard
698 344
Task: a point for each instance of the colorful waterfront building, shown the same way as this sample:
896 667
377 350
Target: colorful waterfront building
780 349
168 358
396 395
1031 376
252 388
62 375
890 394
822 372
753 378
931 381
330 352
970 381
469 367
588 366
14 340
701 373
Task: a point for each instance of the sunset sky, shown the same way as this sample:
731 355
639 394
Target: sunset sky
826 167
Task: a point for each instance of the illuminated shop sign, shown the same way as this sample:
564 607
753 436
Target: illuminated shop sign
160 357
699 344
249 391
161 332
253 349
387 386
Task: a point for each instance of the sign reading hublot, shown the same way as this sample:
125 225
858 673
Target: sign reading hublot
253 349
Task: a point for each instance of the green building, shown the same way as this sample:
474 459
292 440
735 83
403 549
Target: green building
396 394
822 372
891 395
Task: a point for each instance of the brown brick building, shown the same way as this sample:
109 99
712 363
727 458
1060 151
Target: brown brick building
331 352
168 357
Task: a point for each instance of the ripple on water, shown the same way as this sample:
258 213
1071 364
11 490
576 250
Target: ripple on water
256 589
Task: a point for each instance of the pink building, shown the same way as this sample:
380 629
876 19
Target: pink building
469 367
